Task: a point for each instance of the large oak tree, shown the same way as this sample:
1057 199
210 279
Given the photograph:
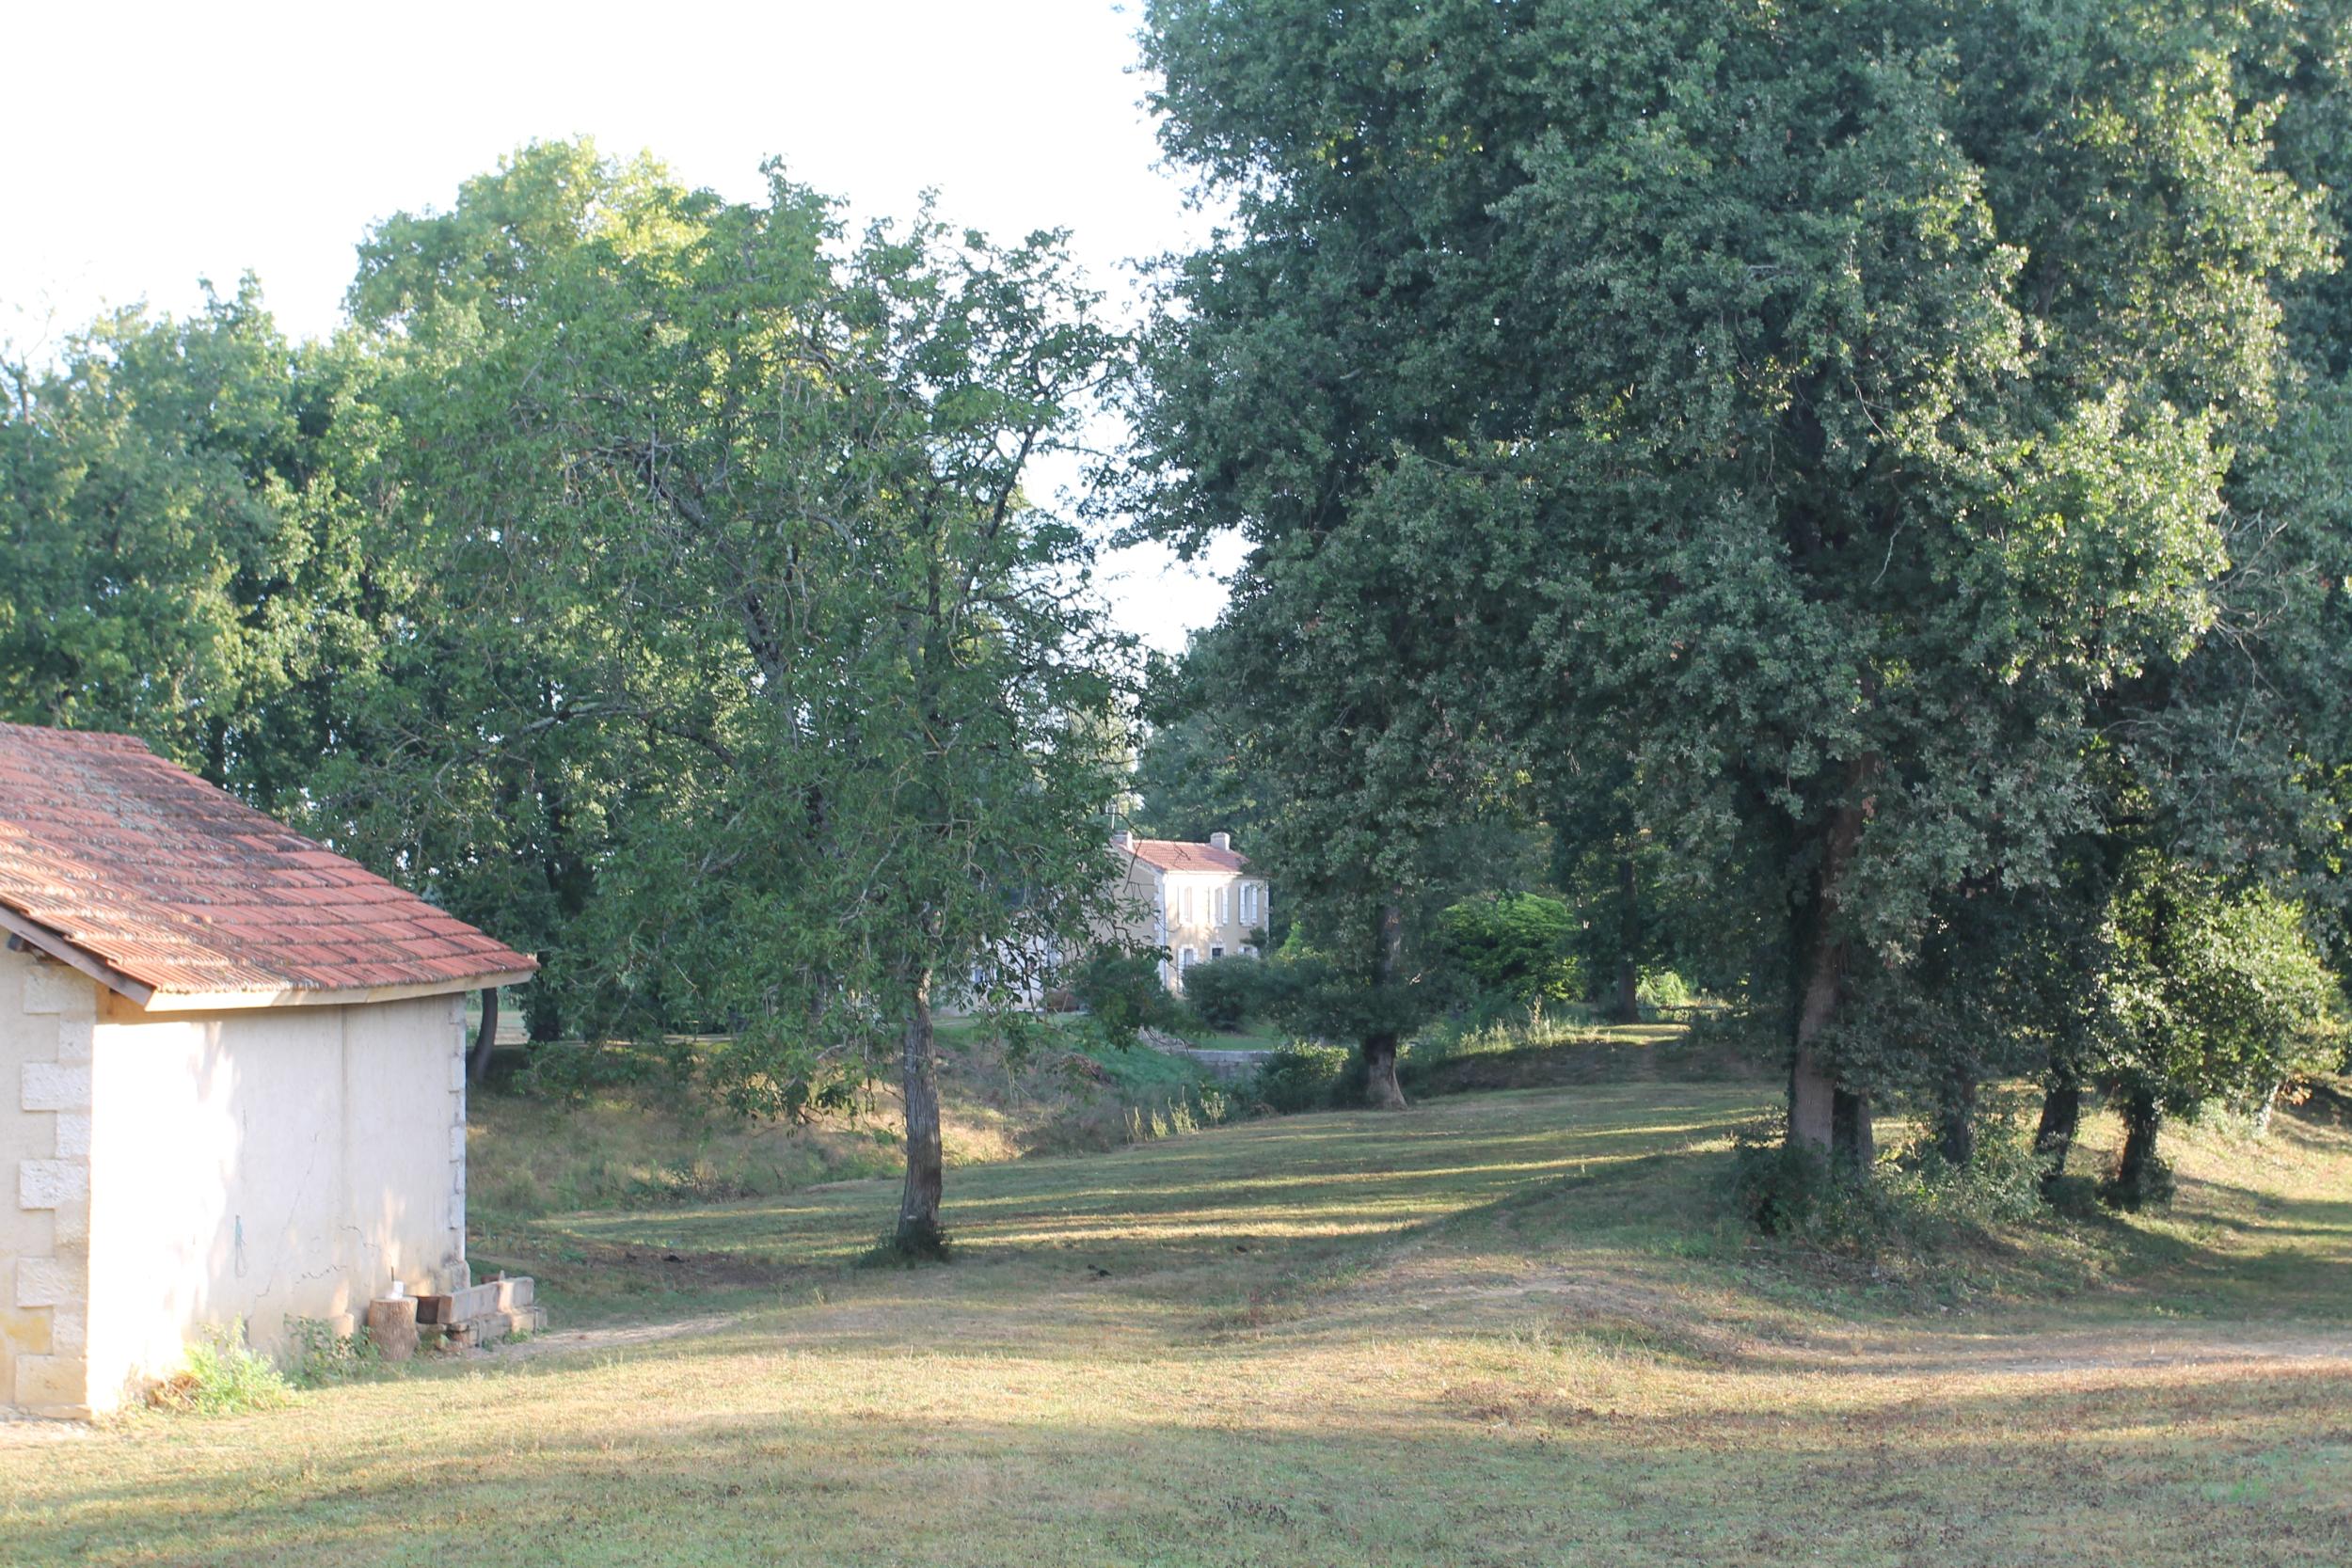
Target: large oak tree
1824 416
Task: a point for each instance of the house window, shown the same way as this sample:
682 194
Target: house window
1217 952
1220 906
1184 961
1250 903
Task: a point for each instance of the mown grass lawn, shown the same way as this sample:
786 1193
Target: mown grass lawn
1502 1329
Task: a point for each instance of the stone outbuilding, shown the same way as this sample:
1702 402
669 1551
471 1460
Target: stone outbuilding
232 1076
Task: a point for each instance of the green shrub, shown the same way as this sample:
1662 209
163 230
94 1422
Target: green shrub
222 1375
1301 1077
1121 989
1778 1190
1658 988
316 1354
1911 1201
2000 1185
1226 993
1510 950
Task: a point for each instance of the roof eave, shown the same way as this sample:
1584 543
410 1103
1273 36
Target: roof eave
318 996
150 999
40 939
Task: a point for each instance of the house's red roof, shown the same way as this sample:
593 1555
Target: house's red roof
1174 854
174 884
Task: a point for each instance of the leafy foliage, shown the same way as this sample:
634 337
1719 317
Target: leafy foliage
222 1375
1514 948
1301 1077
183 538
1863 454
1226 993
1123 991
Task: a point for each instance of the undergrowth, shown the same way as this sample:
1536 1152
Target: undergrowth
318 1354
659 1144
222 1375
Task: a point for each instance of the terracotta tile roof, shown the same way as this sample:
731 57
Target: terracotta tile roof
1174 854
177 886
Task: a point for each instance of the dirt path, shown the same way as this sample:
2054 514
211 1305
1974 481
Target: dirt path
2034 1353
618 1336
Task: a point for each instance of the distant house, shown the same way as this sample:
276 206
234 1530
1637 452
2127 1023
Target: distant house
1199 901
231 1074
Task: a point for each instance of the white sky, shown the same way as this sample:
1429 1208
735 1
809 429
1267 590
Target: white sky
150 149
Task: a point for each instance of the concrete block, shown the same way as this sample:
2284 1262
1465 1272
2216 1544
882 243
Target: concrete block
35 1039
471 1302
73 1128
20 1333
457 1143
53 1385
69 1331
52 1184
72 1221
52 1281
76 1038
458 1074
25 1135
52 987
56 1086
25 1233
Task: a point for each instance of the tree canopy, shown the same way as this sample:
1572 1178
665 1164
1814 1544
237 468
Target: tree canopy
1840 425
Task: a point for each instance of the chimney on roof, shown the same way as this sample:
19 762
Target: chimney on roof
1122 839
1220 841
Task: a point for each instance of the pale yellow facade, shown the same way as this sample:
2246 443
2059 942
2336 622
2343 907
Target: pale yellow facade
1196 914
176 1173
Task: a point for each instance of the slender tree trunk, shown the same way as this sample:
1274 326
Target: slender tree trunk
1825 1115
485 1037
1380 1045
1627 1007
918 1234
2061 1116
1955 1116
2267 1107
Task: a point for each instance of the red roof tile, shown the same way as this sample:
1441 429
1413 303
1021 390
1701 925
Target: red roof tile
174 884
1174 854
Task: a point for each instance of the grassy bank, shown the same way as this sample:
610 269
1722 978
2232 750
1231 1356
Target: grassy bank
652 1144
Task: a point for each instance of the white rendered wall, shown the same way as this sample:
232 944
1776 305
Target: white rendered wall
266 1165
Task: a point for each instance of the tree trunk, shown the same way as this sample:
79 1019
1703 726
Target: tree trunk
918 1234
2267 1107
485 1037
1380 1045
2140 1179
2062 1116
1825 1117
1627 1007
1956 1117
1380 1082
